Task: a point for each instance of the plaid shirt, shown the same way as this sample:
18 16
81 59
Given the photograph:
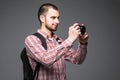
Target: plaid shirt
53 59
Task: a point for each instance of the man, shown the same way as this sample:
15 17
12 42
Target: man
58 50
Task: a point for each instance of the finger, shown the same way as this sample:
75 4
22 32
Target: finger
78 31
75 25
80 34
85 34
75 28
85 37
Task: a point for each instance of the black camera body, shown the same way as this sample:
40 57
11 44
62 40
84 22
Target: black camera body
82 29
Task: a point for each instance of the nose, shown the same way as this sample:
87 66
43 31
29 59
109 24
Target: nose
57 21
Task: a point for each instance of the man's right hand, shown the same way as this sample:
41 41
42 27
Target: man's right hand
74 32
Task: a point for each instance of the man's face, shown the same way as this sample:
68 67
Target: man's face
52 19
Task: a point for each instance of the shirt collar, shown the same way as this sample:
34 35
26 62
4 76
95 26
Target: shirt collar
42 33
46 36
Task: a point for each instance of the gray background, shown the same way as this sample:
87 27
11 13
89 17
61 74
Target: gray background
18 18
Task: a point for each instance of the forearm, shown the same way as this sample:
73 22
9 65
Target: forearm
46 57
82 51
77 56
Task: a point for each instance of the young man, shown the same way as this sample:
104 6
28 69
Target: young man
58 50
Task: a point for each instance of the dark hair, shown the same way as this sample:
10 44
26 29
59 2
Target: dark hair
44 8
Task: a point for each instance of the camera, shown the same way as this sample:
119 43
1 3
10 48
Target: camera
82 29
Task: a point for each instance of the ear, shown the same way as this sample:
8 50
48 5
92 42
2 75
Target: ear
42 18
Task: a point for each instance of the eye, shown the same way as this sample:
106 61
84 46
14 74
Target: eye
53 17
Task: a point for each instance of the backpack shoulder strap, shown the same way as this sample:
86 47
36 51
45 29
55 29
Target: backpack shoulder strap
42 39
45 46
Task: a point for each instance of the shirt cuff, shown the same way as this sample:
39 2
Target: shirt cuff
83 45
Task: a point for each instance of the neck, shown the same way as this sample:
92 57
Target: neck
46 31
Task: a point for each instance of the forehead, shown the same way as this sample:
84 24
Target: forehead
52 12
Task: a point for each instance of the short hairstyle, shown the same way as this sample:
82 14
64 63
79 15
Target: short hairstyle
44 8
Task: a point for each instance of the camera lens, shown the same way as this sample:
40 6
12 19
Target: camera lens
82 29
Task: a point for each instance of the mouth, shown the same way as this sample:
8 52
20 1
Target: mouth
55 25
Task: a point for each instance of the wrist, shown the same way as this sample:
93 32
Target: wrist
70 40
83 43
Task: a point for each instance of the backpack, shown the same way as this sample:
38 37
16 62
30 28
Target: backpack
28 73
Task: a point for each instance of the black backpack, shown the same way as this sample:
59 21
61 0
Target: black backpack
28 73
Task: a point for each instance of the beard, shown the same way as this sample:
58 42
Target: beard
50 28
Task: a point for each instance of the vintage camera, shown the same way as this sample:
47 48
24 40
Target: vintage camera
82 29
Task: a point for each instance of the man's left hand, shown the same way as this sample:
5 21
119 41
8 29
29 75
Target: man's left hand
83 38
